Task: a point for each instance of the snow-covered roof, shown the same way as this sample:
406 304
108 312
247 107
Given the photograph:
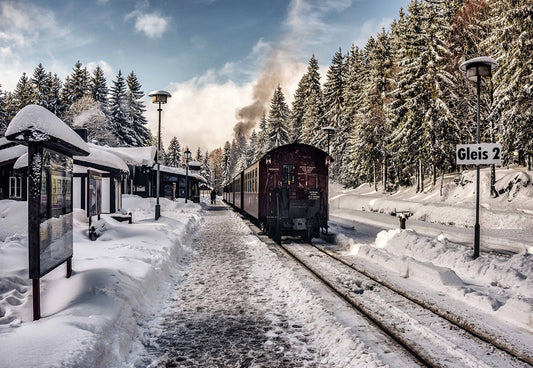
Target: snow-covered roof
11 153
179 171
97 157
34 123
101 157
22 162
135 156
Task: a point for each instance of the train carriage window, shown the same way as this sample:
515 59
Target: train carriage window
287 174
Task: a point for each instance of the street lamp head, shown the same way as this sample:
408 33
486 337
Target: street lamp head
159 96
480 66
187 154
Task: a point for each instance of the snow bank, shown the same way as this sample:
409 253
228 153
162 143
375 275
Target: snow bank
90 318
496 285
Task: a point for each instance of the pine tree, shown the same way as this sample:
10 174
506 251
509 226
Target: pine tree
206 167
199 157
136 112
11 106
23 94
333 108
78 84
98 87
226 158
252 144
262 139
41 87
3 113
55 104
297 111
513 80
278 117
174 153
118 113
313 118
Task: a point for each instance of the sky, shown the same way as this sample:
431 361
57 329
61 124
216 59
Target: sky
215 57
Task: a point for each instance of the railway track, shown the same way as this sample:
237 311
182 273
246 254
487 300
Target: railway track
432 338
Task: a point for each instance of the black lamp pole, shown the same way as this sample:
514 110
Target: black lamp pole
159 97
475 69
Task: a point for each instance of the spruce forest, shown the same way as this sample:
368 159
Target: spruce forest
400 104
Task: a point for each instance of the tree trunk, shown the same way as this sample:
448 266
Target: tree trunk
375 176
421 175
493 191
385 170
434 174
441 181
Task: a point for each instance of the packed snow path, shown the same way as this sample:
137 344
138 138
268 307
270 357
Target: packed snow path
219 317
235 302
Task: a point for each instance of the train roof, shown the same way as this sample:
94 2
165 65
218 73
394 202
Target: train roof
293 145
284 147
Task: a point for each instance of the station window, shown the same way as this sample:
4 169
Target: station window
287 174
15 187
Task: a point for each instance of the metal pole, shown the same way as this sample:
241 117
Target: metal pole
186 181
157 206
36 299
476 226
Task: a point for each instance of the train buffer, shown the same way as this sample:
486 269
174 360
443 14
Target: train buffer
402 216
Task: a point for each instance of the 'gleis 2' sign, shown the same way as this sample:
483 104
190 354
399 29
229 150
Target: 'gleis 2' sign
479 154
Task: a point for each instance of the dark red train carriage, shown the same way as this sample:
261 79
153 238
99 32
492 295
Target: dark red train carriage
286 191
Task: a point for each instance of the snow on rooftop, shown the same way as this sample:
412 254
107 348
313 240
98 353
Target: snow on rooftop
180 171
102 157
136 156
11 153
97 156
43 125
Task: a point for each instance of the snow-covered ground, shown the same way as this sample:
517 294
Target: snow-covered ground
436 249
114 305
89 319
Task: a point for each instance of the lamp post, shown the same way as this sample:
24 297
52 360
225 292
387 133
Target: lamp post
187 158
158 97
475 69
329 131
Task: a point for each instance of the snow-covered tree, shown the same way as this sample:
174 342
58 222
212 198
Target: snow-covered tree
23 94
136 111
41 87
297 111
3 113
226 159
55 103
118 113
313 118
261 146
173 154
206 167
333 109
87 113
510 43
98 87
277 121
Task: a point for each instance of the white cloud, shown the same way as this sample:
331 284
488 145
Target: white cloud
109 73
152 24
200 114
369 28
24 27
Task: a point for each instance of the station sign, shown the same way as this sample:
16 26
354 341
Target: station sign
479 154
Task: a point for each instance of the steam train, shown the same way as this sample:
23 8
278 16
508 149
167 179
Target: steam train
285 192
